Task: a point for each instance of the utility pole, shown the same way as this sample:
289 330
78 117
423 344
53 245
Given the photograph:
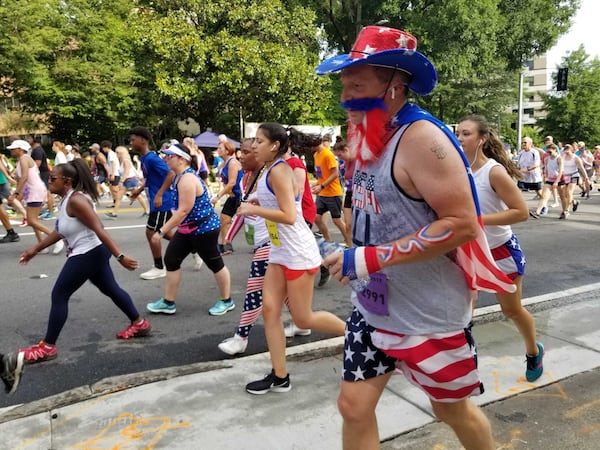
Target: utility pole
520 112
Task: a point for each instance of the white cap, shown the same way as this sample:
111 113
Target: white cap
68 147
20 143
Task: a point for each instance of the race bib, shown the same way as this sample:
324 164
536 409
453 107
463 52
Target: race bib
374 298
273 234
249 233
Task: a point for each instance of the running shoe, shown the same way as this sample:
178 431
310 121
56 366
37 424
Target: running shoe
227 249
533 214
140 329
544 211
111 215
325 276
161 306
535 364
58 247
49 216
221 307
575 205
153 274
234 345
197 261
10 237
270 383
23 223
39 353
292 330
11 369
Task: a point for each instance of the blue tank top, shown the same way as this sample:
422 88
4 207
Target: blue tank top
202 217
237 194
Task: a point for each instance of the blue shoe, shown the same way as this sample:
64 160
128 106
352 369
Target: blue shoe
544 211
160 306
535 364
49 216
221 307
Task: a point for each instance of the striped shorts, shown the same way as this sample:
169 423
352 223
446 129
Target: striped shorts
509 258
443 365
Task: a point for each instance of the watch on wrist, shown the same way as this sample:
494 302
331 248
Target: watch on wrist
121 257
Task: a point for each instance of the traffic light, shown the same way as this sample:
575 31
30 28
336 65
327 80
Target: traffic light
561 79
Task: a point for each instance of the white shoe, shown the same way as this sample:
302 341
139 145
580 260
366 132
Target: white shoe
58 247
153 274
233 345
292 330
554 205
197 261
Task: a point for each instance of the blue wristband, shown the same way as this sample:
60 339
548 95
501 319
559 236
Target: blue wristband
349 264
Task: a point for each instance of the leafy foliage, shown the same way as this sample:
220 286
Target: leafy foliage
573 115
71 61
217 57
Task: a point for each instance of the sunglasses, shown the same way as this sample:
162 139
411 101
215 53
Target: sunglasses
55 177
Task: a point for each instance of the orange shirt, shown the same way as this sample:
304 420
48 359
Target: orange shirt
325 163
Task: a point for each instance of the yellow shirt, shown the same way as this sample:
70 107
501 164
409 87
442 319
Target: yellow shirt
325 163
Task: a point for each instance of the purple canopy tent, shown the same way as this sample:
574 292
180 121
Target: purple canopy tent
208 139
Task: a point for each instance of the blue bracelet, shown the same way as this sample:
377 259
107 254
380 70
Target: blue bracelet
349 264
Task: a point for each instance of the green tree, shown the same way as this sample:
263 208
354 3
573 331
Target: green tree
217 57
476 46
573 115
72 62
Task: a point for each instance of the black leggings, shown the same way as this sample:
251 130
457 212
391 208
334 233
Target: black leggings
94 266
204 244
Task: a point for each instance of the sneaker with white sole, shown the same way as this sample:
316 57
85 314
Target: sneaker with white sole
270 383
11 368
153 274
58 247
221 307
161 306
234 345
197 261
292 330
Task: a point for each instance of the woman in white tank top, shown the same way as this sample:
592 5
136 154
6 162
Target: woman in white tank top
573 169
502 204
294 259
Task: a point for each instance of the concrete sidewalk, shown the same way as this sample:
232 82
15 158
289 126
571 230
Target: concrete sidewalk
204 406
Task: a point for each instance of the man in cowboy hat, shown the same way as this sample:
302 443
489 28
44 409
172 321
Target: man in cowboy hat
413 209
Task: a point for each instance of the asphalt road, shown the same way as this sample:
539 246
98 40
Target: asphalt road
561 255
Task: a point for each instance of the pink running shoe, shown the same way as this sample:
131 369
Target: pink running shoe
23 223
39 353
140 329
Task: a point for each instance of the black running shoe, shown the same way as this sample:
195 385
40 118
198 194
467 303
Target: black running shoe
270 383
11 368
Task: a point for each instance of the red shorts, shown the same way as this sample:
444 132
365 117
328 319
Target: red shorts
294 274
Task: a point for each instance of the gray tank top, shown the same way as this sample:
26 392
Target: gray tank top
425 297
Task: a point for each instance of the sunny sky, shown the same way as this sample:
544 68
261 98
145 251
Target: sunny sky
582 31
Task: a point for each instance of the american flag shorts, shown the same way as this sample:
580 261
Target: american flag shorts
509 258
443 365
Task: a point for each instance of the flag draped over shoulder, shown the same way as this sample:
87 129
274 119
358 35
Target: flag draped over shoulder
473 257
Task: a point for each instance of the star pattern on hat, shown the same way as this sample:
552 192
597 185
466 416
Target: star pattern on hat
402 41
368 50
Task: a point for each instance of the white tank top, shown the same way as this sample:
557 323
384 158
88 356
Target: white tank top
79 239
489 202
293 246
570 166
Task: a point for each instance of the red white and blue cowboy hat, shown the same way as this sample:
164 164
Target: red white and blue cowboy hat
387 47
